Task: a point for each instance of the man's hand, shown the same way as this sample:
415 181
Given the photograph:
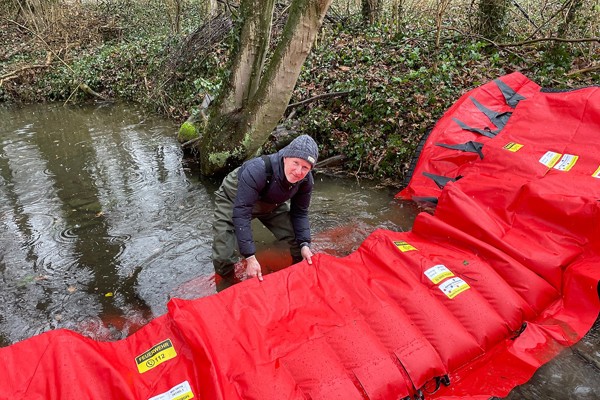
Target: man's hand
253 268
306 254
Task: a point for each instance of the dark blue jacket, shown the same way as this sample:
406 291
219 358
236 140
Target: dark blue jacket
252 195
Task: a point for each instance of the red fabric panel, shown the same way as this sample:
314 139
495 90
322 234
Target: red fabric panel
61 365
486 290
447 162
538 226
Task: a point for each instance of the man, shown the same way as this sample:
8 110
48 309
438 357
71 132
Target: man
261 188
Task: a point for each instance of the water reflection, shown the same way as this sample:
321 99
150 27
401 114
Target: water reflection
102 223
89 199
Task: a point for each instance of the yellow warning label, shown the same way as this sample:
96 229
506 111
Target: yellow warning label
512 146
438 273
155 356
597 173
566 162
550 159
453 287
403 246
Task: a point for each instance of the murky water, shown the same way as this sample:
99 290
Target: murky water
103 222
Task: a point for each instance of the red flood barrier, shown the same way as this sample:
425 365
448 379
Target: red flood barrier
466 305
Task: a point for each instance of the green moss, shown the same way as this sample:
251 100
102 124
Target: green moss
219 159
247 140
187 132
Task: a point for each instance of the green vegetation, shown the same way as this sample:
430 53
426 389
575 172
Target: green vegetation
394 77
187 132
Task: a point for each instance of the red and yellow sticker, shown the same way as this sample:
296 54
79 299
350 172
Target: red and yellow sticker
404 246
155 356
512 146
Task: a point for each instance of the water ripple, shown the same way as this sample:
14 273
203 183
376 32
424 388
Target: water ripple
68 235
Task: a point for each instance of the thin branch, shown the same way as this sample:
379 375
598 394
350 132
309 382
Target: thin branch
334 160
41 39
549 39
14 74
547 21
81 85
190 142
525 14
584 70
480 37
317 97
230 7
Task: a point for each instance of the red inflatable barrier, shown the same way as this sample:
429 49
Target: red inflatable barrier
468 304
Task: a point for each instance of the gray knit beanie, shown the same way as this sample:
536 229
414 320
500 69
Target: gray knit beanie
303 147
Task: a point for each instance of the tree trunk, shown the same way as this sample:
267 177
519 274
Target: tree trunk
398 12
491 15
250 55
256 96
370 11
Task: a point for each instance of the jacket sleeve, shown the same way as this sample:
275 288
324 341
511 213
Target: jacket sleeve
299 210
251 181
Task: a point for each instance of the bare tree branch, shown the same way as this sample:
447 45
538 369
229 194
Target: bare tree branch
584 70
549 39
81 85
525 14
320 96
15 74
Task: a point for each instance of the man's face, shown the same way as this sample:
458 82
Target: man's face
295 168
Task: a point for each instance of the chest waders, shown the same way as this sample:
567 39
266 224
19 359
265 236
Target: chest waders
275 217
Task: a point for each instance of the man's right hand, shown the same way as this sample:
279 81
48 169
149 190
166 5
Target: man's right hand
307 254
253 268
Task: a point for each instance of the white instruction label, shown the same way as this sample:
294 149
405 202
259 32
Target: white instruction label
453 287
438 273
566 162
550 159
183 391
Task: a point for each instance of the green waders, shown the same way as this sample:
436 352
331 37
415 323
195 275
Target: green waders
274 217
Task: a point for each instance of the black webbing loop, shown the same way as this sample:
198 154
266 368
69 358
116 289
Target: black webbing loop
469 147
497 118
425 199
487 132
439 381
440 180
511 97
519 331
